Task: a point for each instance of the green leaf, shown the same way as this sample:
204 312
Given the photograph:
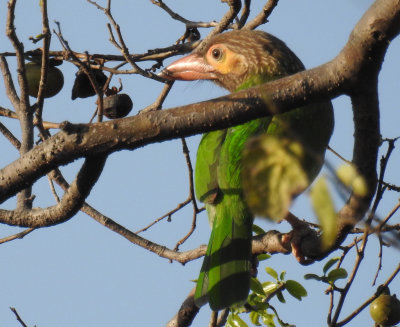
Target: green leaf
256 286
257 302
324 209
282 275
295 289
268 319
270 287
350 177
270 271
272 175
235 321
229 321
280 297
257 230
329 264
255 318
312 276
335 274
263 256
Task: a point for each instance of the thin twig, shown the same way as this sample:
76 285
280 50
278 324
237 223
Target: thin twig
186 153
8 82
381 188
9 136
157 54
11 114
162 251
121 43
380 256
262 17
44 64
16 236
168 214
345 290
234 8
18 317
192 196
391 187
192 228
176 16
52 188
337 154
245 13
389 215
157 105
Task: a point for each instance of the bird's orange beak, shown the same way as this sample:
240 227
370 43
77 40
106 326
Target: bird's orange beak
189 68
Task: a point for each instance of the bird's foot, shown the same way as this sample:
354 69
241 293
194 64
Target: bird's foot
301 230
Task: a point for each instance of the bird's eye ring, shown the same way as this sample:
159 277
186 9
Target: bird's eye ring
216 53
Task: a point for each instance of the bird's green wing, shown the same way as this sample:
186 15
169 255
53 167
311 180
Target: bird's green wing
208 154
225 275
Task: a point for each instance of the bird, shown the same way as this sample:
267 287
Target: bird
237 60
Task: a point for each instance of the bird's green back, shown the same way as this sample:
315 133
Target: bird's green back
225 275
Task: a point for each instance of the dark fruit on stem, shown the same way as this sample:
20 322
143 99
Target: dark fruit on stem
117 106
55 80
83 88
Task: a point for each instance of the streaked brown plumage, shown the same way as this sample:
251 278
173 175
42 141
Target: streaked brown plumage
251 53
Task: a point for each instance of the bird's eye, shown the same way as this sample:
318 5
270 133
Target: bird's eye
216 53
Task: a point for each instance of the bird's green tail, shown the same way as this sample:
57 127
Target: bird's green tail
225 275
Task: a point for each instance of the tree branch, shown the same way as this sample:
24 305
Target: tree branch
23 109
70 203
186 313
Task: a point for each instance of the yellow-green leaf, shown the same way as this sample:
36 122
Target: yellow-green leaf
329 264
256 286
272 272
270 287
255 318
325 211
257 229
263 256
295 289
335 274
235 321
273 174
350 177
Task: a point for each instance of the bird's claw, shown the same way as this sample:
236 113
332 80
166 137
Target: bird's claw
300 231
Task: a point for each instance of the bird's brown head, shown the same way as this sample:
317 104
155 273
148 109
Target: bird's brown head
236 60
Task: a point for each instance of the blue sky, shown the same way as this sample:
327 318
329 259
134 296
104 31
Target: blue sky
80 273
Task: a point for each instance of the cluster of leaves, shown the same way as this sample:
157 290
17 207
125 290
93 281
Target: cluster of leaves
329 276
260 311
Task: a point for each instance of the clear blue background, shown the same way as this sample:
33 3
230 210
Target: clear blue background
80 273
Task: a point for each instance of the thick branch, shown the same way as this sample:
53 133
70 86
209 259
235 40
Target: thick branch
186 312
70 203
76 141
